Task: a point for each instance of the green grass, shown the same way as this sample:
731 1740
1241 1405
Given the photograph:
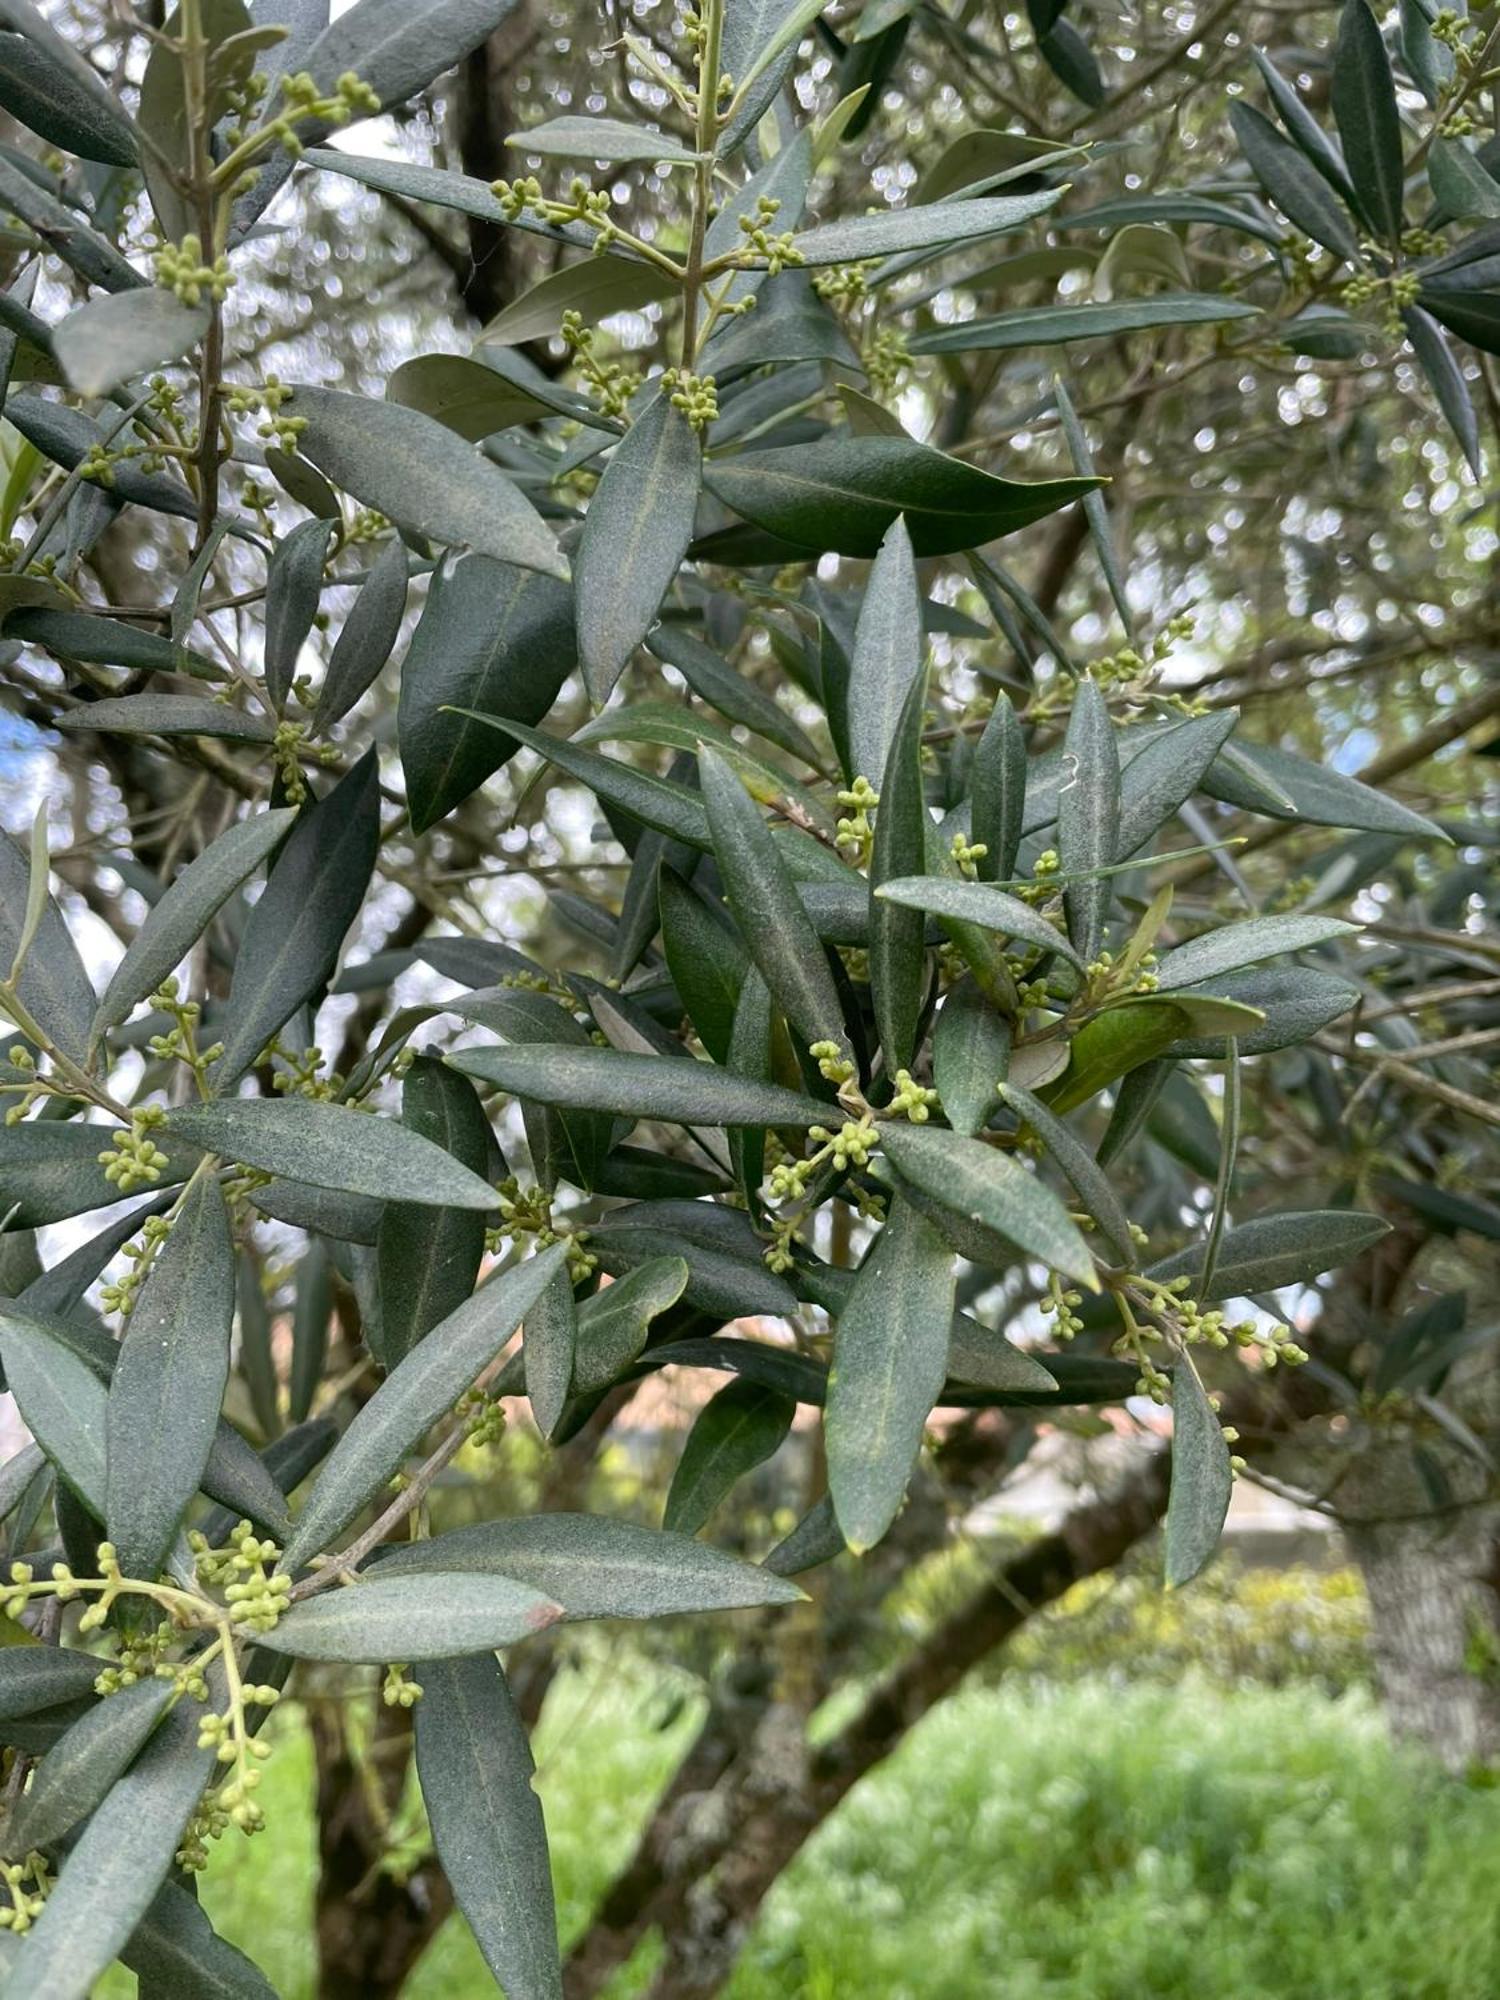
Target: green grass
1092 1841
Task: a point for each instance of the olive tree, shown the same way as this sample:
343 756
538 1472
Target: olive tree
922 926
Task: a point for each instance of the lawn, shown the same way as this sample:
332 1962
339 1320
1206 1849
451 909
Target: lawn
1089 1841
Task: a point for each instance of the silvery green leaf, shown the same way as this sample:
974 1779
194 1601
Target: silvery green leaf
739 1429
476 1770
174 924
169 1381
890 1360
409 1402
123 334
1202 1480
598 1567
331 1145
1288 1247
423 476
437 1617
981 1185
1233 946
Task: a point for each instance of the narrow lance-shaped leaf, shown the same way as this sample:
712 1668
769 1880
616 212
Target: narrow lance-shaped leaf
724 1255
1291 1247
1308 135
53 985
399 46
997 787
465 396
1110 1046
168 715
81 248
292 938
970 1055
1056 326
311 1311
1078 1163
1235 945
890 1359
62 1402
494 641
707 962
735 697
632 1086
655 802
128 333
610 139
331 1145
739 1429
255 1363
411 1399
979 903
1460 182
548 1341
1164 774
475 1768
49 86
750 1055
118 1863
1297 187
423 476
1296 1002
36 1677
921 226
294 584
428 1262
775 927
1202 1479
175 1948
1229 1142
897 963
367 636
1446 378
594 288
75 1775
1095 511
169 1381
176 923
843 493
1088 816
613 1325
1263 778
386 1618
50 1169
988 1187
597 1567
635 534
109 642
39 861
1365 111
67 436
889 648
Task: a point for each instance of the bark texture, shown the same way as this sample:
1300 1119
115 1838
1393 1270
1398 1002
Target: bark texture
371 1927
1435 1628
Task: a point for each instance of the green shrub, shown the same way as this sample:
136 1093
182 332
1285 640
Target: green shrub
1098 1842
1089 1841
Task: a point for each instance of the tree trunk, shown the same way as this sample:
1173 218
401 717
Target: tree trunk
486 115
371 1928
1419 1514
1435 1630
